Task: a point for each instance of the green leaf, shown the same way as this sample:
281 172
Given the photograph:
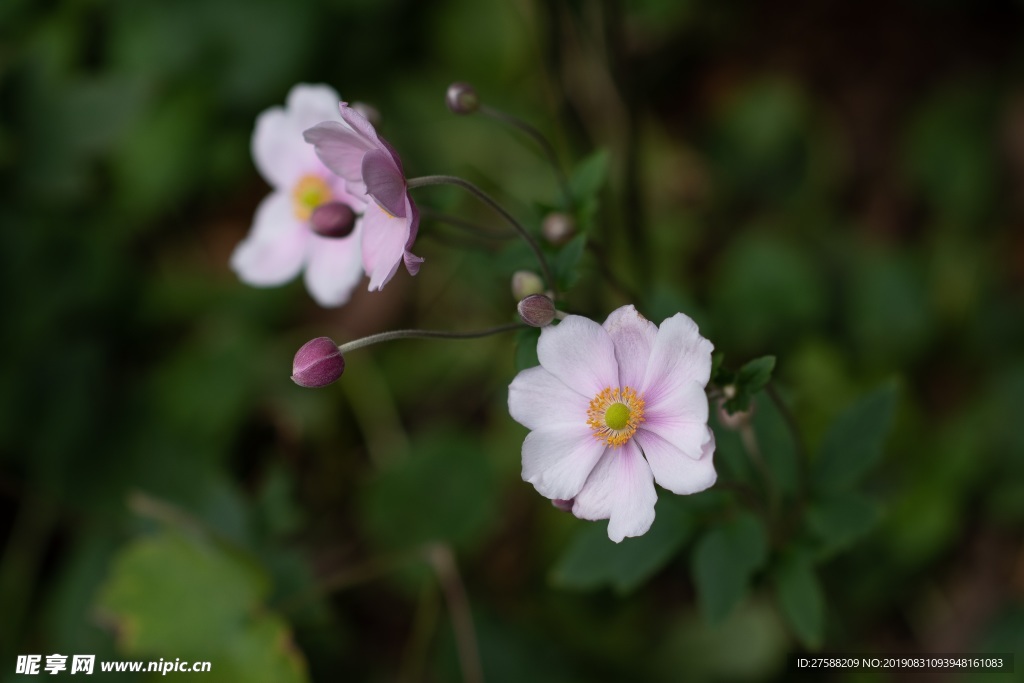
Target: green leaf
777 446
724 562
800 596
589 176
567 263
853 444
176 596
592 560
755 374
841 519
445 490
526 348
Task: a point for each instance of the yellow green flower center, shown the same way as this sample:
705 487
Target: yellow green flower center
310 192
615 414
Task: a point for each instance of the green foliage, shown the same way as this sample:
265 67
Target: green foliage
801 599
751 378
592 560
840 519
585 184
724 562
567 264
175 595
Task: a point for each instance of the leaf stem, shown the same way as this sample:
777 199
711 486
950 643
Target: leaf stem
425 334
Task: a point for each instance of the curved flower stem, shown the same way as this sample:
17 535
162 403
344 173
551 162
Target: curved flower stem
539 138
424 334
426 180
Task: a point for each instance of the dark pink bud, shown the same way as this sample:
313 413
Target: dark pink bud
558 228
537 310
333 219
563 505
318 363
461 98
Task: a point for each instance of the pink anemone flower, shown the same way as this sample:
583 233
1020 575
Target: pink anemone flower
282 240
371 168
612 409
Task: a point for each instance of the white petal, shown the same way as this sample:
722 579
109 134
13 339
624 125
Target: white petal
557 460
579 352
633 336
537 399
679 416
384 240
275 249
676 471
620 489
335 267
308 105
278 154
679 356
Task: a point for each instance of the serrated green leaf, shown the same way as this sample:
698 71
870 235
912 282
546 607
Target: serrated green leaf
177 596
841 519
800 596
853 444
592 560
724 562
526 348
568 261
755 374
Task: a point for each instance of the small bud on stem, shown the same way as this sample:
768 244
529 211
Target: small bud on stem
525 283
558 228
537 310
317 363
461 98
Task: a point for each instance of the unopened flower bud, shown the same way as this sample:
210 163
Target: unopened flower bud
318 363
537 310
461 98
563 505
369 111
525 283
558 228
333 219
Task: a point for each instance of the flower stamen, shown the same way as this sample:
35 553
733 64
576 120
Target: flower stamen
310 192
614 415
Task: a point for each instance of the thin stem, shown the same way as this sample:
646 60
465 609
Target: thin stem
539 138
441 558
424 181
424 334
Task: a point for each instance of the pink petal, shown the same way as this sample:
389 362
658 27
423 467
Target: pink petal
341 150
360 125
308 105
335 267
621 490
579 352
680 417
384 182
679 356
557 460
276 151
675 470
537 400
633 336
275 249
384 240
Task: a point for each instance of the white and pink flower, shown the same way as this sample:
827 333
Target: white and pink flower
282 241
372 170
612 409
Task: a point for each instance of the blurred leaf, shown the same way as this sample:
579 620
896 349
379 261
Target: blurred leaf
840 519
585 184
593 560
854 442
567 270
776 443
445 490
526 348
177 596
755 374
724 562
800 596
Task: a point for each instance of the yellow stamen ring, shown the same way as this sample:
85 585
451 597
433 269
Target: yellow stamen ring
615 414
310 192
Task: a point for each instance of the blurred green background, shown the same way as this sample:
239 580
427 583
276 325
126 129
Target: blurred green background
840 185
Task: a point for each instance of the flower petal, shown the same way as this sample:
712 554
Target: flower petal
680 417
360 125
620 489
558 460
537 400
633 336
579 352
384 182
334 268
276 151
673 469
384 240
308 105
275 249
341 150
680 355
